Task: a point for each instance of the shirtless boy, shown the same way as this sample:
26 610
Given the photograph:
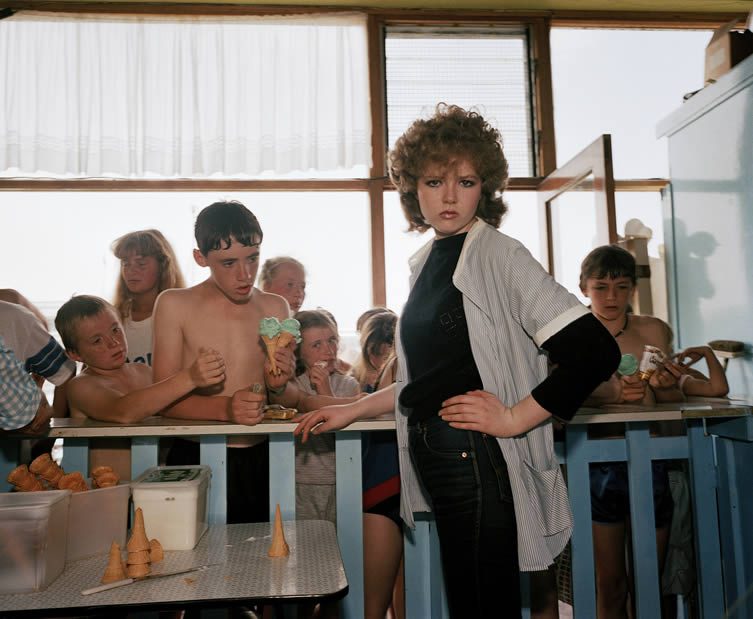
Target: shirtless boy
608 278
111 389
224 312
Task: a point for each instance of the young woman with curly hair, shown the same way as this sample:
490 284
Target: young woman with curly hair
474 398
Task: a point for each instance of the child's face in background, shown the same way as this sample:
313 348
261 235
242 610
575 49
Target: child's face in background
289 282
233 269
609 296
100 341
140 273
319 345
379 357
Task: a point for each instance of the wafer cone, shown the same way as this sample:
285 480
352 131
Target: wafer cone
106 480
138 570
279 547
74 482
24 480
284 339
115 568
156 554
139 541
271 344
138 557
44 466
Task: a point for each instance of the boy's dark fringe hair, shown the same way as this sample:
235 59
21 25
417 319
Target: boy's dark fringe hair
221 222
607 261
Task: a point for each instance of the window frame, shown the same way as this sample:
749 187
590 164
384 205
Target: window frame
537 23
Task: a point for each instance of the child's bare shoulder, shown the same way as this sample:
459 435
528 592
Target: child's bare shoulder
271 304
178 303
653 330
85 383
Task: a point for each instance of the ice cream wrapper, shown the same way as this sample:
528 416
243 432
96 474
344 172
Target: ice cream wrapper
651 360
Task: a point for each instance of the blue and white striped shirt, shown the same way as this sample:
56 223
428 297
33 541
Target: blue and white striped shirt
32 345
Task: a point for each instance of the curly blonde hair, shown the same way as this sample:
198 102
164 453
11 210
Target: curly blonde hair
145 243
450 135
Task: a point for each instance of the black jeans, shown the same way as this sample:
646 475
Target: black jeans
466 477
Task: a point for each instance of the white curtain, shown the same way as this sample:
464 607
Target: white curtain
141 96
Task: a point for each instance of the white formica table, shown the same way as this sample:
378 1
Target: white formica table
240 572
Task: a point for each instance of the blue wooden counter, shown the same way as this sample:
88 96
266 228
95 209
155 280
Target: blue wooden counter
723 540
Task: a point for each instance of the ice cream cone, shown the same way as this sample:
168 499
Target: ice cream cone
74 482
137 557
279 547
284 339
24 480
651 359
271 344
139 541
105 480
114 570
156 554
138 570
47 469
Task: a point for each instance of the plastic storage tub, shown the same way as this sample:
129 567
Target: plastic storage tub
97 518
33 537
174 502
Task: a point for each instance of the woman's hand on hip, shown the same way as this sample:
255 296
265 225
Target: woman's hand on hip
479 411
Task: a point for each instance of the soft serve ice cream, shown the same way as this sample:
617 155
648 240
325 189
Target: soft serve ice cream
278 334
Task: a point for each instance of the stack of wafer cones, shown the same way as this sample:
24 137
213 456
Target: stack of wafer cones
156 553
74 482
24 480
279 547
47 469
114 570
137 563
104 477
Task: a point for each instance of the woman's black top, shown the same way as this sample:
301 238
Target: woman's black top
434 335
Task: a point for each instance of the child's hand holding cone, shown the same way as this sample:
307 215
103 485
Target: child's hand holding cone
277 335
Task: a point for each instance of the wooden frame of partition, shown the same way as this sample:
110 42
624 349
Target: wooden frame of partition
596 160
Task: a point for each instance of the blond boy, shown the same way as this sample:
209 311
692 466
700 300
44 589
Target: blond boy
111 389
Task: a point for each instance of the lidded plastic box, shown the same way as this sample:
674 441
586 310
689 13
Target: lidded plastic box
97 518
33 537
174 501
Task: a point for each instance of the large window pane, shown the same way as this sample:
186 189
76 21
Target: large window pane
486 69
70 252
622 82
140 96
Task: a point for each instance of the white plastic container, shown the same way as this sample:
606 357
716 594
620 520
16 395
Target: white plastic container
97 518
174 501
33 537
